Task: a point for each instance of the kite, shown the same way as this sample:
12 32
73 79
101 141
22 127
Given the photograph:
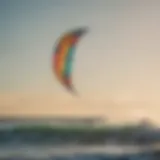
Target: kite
63 57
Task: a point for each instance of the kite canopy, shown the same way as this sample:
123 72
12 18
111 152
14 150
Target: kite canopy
63 56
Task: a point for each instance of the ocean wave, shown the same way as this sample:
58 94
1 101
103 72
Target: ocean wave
62 135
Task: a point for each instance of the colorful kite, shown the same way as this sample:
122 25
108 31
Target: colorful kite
63 57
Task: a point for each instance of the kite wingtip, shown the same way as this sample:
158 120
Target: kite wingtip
85 29
81 30
74 92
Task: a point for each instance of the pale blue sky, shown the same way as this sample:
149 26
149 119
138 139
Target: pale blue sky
120 56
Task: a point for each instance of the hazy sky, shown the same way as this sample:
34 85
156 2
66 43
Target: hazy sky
116 68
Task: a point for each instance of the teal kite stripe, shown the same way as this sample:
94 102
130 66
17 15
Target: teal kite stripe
68 62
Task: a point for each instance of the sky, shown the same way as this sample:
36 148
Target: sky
116 68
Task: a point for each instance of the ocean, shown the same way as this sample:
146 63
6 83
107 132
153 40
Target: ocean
21 142
48 152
